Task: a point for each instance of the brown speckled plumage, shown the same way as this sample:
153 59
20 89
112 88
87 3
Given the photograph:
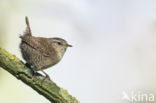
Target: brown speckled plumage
41 52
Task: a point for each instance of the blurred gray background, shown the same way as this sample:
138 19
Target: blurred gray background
114 47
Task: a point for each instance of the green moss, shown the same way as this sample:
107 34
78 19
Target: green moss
9 55
64 93
48 88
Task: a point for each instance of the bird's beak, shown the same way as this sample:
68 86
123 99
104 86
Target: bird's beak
68 45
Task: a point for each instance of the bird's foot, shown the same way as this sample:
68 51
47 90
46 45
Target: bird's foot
31 69
46 76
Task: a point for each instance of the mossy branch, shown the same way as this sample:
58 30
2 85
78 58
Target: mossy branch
47 88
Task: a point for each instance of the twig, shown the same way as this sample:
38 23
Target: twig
48 88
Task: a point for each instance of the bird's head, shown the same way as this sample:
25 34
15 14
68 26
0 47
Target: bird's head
59 45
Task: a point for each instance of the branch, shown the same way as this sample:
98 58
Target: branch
47 88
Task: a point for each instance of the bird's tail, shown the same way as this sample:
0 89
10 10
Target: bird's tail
27 32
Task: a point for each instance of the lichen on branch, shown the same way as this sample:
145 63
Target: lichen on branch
48 88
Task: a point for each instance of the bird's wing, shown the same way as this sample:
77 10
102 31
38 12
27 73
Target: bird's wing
38 44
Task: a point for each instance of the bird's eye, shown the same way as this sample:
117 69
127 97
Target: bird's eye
59 43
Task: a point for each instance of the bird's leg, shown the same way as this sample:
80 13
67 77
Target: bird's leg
33 70
28 65
46 75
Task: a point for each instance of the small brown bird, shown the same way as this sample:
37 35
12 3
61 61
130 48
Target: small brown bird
39 52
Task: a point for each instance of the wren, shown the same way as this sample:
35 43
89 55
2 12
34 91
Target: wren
39 52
